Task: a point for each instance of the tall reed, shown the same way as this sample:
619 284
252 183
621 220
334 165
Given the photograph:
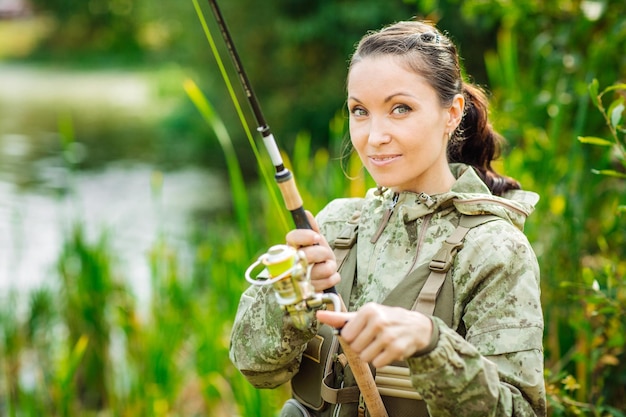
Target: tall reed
577 229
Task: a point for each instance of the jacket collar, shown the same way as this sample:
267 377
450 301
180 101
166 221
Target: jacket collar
469 195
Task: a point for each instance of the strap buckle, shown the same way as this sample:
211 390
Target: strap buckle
442 261
347 237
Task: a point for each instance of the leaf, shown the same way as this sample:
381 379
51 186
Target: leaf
75 356
613 87
615 111
593 92
609 173
593 140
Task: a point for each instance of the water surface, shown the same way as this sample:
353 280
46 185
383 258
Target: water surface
46 187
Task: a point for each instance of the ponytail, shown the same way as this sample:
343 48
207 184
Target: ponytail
476 143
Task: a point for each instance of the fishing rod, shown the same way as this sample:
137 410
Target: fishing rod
284 178
291 278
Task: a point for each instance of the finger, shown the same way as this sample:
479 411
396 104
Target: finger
320 253
363 339
384 358
312 221
336 319
316 228
383 349
372 351
323 283
299 238
364 328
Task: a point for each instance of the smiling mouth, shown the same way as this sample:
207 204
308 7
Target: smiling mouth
383 158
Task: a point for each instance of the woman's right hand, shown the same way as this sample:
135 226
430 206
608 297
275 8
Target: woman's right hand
381 334
318 253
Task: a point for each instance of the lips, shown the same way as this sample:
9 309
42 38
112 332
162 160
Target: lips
380 160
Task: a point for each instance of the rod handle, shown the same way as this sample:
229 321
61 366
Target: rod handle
293 202
363 377
292 199
300 218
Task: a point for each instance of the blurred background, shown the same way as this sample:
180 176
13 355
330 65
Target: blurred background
132 197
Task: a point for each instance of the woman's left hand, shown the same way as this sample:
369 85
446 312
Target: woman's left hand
381 334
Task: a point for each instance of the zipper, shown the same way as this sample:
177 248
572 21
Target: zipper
420 241
386 218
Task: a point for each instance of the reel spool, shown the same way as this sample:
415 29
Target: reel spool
289 275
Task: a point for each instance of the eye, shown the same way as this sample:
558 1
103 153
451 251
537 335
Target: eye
401 109
358 111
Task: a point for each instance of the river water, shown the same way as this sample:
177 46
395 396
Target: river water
42 196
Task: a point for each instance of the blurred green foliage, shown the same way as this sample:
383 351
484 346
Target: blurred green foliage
284 45
554 70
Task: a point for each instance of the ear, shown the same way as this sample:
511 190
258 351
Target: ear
455 112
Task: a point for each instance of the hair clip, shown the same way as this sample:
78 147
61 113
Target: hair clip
430 37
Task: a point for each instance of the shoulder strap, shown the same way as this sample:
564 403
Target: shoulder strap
346 239
345 256
442 262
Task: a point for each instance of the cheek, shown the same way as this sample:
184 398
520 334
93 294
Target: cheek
358 136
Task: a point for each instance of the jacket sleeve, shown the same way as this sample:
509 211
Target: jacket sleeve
264 346
496 369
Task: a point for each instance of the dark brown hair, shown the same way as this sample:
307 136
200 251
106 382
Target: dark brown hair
432 55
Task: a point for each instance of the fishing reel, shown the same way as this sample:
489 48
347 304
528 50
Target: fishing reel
289 275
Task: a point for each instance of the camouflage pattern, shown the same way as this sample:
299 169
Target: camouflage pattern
490 361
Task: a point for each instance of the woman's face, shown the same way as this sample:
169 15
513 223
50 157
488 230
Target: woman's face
398 126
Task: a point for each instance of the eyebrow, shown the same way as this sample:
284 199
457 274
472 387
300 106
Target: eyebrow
387 99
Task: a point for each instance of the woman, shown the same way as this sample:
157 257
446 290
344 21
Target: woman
423 135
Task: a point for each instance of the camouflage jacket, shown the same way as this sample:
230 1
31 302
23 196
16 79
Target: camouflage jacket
490 361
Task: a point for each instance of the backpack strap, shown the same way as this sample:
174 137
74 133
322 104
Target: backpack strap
442 262
345 256
346 239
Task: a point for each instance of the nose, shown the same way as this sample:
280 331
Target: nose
379 133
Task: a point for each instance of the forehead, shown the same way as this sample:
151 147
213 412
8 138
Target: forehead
384 72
